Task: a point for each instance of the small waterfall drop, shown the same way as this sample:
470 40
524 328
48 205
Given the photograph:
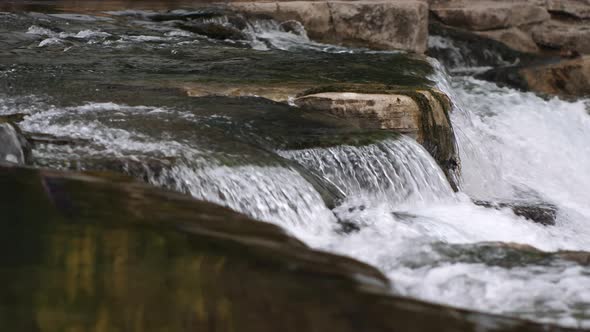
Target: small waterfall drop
273 194
396 170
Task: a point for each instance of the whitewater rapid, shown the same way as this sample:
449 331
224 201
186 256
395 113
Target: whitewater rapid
432 243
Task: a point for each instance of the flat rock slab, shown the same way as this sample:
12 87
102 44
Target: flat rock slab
575 8
375 24
488 15
569 78
565 36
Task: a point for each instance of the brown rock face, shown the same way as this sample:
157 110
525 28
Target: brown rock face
402 25
514 38
422 114
558 35
488 15
567 78
575 8
375 24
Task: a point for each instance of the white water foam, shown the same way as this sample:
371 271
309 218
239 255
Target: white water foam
400 170
268 193
273 194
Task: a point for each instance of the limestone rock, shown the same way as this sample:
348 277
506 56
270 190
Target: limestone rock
422 114
515 38
397 25
564 36
576 8
566 78
461 48
376 24
488 15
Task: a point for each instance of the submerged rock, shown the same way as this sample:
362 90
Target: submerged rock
543 213
85 253
510 254
421 114
213 30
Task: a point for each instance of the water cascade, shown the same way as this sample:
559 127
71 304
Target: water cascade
434 244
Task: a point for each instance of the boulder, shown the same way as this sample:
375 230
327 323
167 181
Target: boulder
576 8
89 253
563 36
461 48
422 114
14 147
375 24
570 78
566 77
488 15
515 38
389 25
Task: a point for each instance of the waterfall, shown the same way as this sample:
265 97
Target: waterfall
396 170
432 243
273 194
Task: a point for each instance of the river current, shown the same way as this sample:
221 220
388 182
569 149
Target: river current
434 244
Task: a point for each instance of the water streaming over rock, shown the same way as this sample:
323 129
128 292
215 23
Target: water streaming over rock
396 170
434 244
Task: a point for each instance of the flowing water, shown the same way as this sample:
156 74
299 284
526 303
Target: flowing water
265 159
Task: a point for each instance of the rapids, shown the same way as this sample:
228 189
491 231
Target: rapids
432 243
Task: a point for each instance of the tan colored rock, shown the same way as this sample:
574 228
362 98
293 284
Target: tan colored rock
515 38
387 25
567 78
566 36
489 15
278 93
575 8
377 111
375 24
422 114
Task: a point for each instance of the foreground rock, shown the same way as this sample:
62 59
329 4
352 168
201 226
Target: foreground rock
83 253
374 24
422 114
